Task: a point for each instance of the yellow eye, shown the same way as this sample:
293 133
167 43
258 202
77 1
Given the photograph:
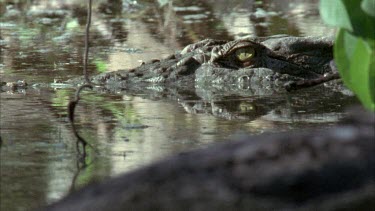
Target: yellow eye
244 54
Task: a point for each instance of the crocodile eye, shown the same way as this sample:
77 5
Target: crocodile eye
244 54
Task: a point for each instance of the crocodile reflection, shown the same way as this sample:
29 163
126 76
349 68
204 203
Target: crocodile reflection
319 105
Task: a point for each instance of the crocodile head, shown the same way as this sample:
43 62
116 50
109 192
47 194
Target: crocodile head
244 62
272 60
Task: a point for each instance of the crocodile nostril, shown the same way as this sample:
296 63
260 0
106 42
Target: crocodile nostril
244 79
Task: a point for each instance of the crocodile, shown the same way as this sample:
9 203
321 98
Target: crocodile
208 70
273 60
249 63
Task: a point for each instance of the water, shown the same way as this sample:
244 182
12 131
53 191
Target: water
38 156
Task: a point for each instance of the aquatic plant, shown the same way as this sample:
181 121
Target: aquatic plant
354 49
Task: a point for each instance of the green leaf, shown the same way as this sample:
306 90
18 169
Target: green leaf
363 24
362 74
348 14
334 13
369 7
354 58
343 51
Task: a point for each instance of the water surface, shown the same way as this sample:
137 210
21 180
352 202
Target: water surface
38 155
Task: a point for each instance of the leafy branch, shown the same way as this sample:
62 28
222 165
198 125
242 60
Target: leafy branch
354 48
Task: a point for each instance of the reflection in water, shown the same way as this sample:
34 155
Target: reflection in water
265 18
43 40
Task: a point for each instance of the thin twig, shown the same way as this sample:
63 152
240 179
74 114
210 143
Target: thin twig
295 85
71 108
73 104
87 43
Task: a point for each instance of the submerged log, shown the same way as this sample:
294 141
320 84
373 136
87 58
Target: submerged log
327 169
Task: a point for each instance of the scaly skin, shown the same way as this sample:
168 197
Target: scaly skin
275 60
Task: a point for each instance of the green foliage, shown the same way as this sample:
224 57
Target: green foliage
356 66
369 7
354 49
